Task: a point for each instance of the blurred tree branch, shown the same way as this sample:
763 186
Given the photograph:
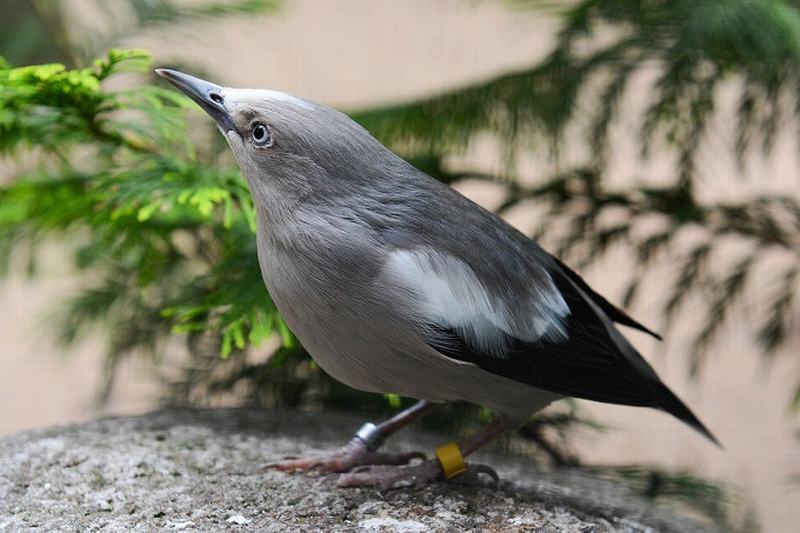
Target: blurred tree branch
36 31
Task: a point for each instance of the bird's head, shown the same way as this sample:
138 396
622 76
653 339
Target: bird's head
286 146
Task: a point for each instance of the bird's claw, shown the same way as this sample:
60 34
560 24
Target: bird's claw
384 477
354 454
473 474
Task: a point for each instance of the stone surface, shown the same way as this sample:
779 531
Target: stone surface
186 470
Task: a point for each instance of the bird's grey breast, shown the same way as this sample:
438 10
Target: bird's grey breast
313 260
322 271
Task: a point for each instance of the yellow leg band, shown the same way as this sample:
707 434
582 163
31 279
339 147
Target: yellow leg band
452 460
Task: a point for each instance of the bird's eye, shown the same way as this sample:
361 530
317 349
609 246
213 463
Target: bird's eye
261 135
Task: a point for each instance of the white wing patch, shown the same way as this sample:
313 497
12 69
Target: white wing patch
447 292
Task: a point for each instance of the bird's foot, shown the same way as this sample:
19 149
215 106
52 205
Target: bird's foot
384 477
354 453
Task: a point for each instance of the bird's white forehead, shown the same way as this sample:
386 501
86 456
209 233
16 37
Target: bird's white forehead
265 94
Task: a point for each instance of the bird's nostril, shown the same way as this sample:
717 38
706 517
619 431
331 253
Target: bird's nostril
216 98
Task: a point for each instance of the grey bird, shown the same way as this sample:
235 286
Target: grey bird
396 283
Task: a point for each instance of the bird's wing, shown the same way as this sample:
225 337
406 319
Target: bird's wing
555 338
613 312
445 293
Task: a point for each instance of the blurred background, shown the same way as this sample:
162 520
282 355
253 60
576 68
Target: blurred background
653 146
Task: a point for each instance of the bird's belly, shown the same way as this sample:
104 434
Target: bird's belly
347 345
374 354
359 337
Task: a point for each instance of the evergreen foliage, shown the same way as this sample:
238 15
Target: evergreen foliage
167 235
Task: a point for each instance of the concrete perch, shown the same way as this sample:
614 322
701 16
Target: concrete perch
197 470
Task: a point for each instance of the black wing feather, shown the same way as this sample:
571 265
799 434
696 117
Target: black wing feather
590 364
613 312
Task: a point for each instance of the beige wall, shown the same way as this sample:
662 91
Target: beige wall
352 53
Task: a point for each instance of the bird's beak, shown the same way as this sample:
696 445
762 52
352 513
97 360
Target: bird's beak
206 94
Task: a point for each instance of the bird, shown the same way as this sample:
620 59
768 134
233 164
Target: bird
394 282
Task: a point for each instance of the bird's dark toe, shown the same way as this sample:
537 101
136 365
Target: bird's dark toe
353 455
386 477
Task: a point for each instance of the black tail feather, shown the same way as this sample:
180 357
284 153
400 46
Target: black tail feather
673 405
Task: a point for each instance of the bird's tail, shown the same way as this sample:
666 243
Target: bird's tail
673 405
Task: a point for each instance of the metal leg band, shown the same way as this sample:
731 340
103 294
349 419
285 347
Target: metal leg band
370 435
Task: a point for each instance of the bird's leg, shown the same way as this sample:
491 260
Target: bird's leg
388 477
362 448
